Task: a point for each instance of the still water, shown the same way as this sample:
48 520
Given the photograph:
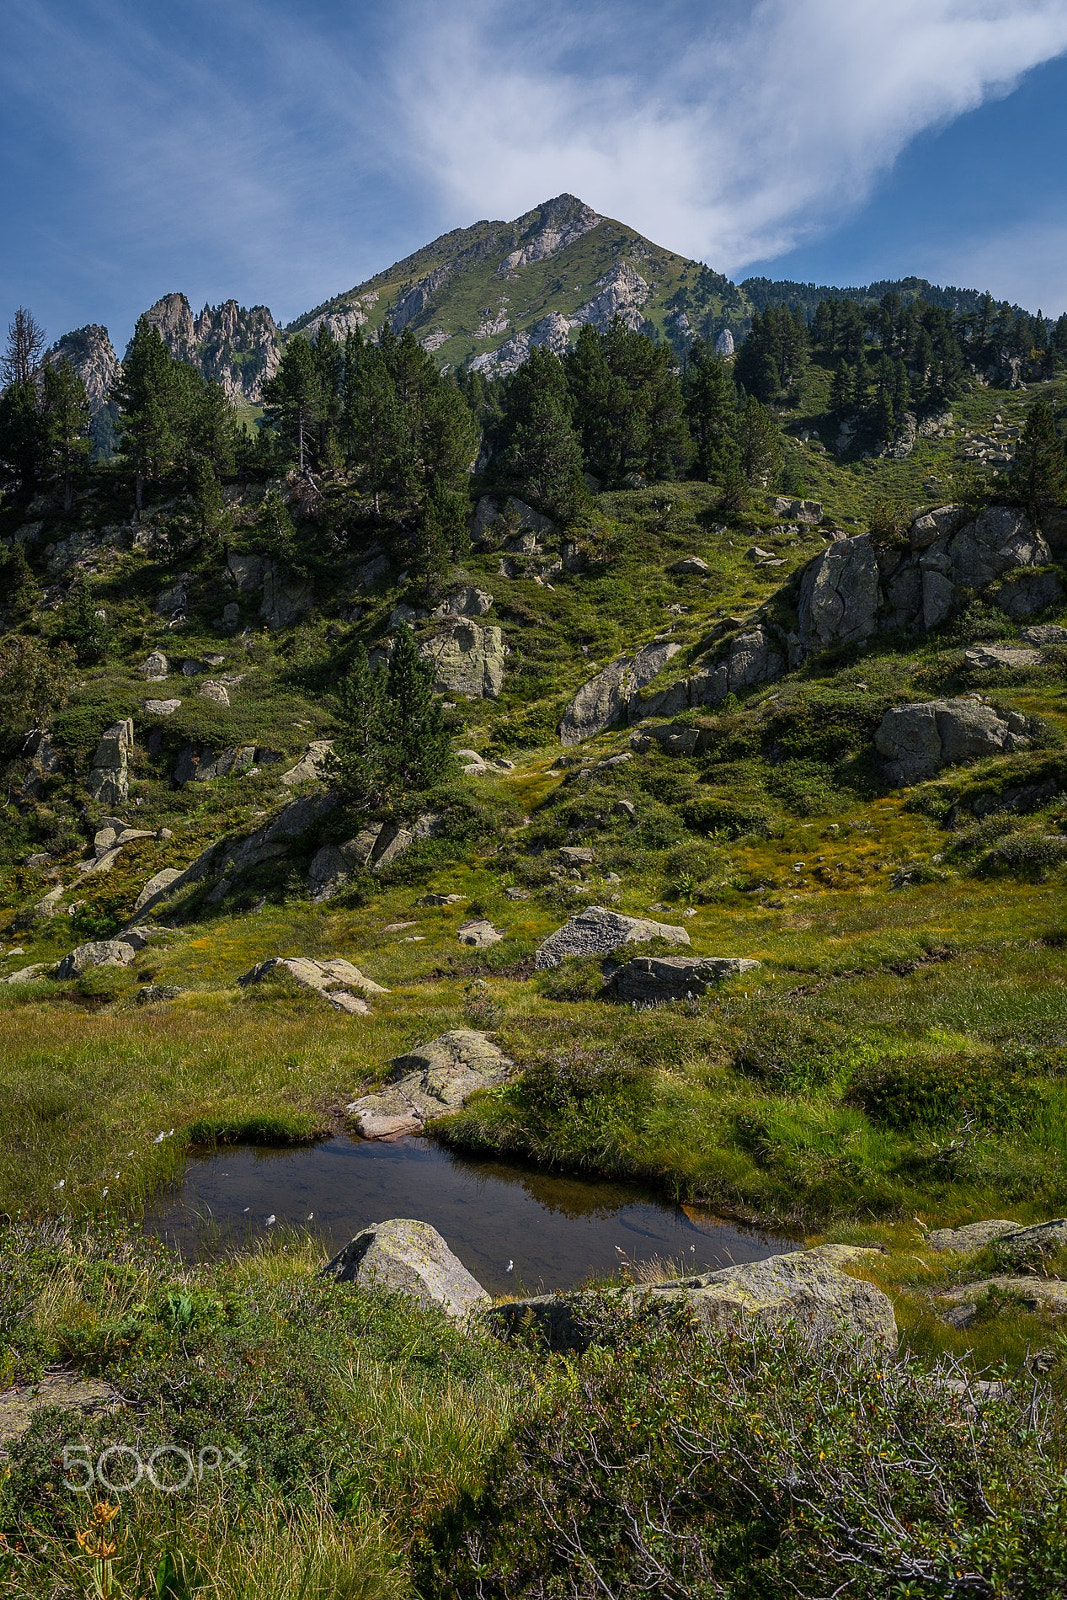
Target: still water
514 1228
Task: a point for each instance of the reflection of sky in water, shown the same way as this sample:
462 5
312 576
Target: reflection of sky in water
555 1230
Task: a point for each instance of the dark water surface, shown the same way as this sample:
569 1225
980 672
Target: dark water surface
553 1230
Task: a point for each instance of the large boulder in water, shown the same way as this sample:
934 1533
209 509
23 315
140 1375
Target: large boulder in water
596 931
412 1257
916 741
805 1291
429 1081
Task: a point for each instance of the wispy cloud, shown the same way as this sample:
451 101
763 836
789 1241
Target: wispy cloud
760 127
1025 262
281 150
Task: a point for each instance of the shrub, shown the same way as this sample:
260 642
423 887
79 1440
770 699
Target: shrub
752 1466
1029 856
576 978
733 819
930 1092
790 1051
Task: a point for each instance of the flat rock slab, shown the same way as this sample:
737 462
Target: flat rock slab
1006 657
479 935
802 1290
596 931
59 1387
412 1257
430 1081
341 985
1039 1295
654 980
1028 1246
972 1236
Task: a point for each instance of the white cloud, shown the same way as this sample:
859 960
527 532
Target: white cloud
767 123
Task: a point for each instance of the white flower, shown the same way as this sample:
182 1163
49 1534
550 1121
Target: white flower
60 1184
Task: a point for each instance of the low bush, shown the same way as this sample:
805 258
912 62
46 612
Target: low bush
716 816
917 1092
575 978
754 1467
1032 857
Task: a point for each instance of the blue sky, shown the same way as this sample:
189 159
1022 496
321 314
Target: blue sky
280 151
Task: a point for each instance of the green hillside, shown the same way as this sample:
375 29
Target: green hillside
779 686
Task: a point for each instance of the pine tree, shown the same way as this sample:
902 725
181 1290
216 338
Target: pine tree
392 740
211 513
357 764
22 433
759 443
373 428
596 398
21 361
1039 471
66 424
432 546
841 391
293 397
711 406
82 626
418 753
150 437
542 455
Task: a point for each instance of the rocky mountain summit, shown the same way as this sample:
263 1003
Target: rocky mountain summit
489 293
236 347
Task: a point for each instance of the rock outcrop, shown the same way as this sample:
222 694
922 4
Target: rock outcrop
201 764
916 741
311 768
605 698
428 1082
109 779
479 934
1029 1247
839 595
804 1291
596 931
229 858
90 353
1037 1295
853 588
467 602
970 1237
98 953
410 1256
653 980
467 657
237 347
339 983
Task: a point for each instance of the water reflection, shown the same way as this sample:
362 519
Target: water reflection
513 1227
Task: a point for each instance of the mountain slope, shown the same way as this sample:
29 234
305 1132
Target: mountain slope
486 293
